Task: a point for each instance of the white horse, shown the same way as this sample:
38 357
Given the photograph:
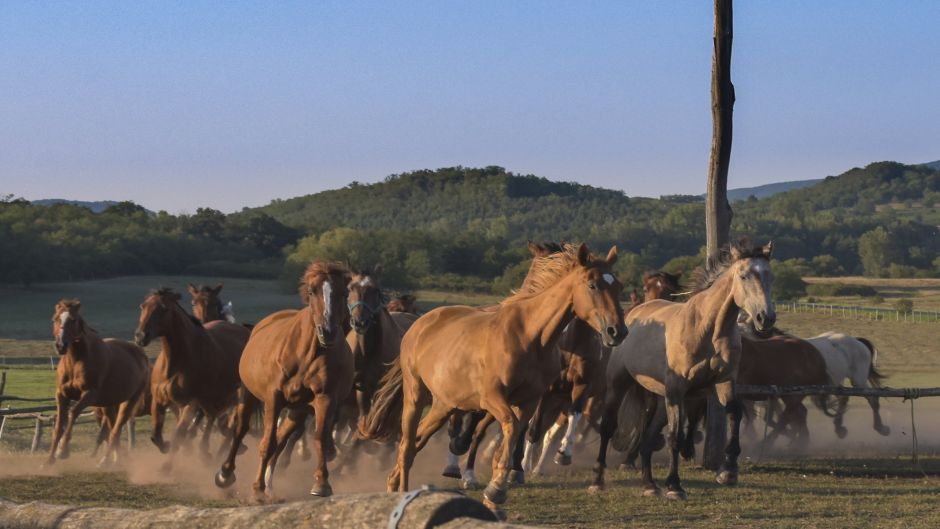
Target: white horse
851 358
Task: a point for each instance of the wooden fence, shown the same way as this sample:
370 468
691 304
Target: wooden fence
860 313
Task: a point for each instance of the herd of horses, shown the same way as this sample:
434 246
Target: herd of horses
558 358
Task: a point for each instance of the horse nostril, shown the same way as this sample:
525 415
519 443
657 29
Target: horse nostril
611 331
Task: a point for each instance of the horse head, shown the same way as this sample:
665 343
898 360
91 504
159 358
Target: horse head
324 288
68 326
660 285
207 305
597 295
752 283
365 299
155 315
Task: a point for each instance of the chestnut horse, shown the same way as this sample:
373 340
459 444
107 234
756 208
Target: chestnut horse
299 360
404 303
681 350
500 360
107 373
208 306
197 367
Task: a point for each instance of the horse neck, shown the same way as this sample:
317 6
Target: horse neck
546 314
371 342
86 348
715 306
181 341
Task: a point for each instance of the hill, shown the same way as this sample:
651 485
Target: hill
933 165
96 206
769 190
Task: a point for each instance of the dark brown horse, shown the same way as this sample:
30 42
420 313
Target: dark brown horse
107 373
498 360
298 360
207 305
404 303
197 367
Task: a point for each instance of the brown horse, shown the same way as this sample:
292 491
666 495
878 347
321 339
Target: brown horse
207 305
500 360
107 373
682 350
197 367
299 360
404 303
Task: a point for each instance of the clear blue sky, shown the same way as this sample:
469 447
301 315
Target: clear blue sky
232 104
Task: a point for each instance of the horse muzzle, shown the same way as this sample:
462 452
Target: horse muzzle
141 339
764 321
326 334
614 334
361 326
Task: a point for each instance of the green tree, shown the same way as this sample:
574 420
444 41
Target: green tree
875 249
788 282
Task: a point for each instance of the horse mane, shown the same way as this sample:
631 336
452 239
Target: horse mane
316 269
546 270
716 265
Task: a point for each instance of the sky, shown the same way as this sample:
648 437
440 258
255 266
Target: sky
228 104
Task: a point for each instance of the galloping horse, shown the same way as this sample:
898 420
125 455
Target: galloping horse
854 359
111 374
208 306
404 303
500 360
681 350
299 360
197 366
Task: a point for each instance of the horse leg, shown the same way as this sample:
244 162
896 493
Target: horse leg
415 398
76 410
62 407
272 410
324 406
616 390
534 433
291 422
839 416
563 456
469 478
124 412
675 417
210 419
157 418
728 473
454 429
878 425
695 414
651 441
548 438
181 433
243 413
103 430
511 423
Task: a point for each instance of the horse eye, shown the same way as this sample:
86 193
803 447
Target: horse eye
592 285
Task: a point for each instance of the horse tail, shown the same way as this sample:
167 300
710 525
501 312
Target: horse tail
874 376
383 421
828 404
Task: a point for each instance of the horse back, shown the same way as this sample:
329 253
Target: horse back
781 360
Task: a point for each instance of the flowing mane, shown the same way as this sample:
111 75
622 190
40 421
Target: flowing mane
705 276
546 270
317 269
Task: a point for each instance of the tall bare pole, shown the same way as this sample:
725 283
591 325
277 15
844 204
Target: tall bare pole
717 210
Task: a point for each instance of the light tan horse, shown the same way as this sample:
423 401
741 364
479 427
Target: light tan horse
680 350
299 360
107 373
500 359
197 367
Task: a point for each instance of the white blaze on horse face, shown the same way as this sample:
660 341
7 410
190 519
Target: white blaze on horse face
609 278
64 317
327 301
366 282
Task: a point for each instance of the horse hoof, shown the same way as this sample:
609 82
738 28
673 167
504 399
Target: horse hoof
223 480
595 489
161 445
451 471
323 490
676 495
651 493
517 477
562 459
841 432
727 478
494 495
883 430
627 466
469 484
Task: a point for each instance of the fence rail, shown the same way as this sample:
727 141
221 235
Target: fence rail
860 313
777 391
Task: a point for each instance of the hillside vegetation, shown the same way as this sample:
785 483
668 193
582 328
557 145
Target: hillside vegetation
465 228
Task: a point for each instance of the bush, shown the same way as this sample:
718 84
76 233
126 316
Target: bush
788 282
896 270
834 289
877 300
904 305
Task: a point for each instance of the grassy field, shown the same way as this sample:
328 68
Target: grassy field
924 292
863 481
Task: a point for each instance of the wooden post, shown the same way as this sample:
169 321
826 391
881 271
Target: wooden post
3 423
37 435
717 210
131 433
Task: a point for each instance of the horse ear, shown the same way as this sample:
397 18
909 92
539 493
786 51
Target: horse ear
217 289
584 255
193 291
534 249
612 255
768 249
735 252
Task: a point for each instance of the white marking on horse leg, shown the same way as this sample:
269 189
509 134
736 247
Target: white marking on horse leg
469 479
452 459
568 440
547 441
527 456
268 479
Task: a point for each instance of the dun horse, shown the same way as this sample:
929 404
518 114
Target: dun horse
197 367
681 350
299 360
108 373
500 360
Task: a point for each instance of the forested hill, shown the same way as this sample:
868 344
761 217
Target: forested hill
768 190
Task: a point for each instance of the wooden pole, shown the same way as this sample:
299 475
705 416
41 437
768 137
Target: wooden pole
717 210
